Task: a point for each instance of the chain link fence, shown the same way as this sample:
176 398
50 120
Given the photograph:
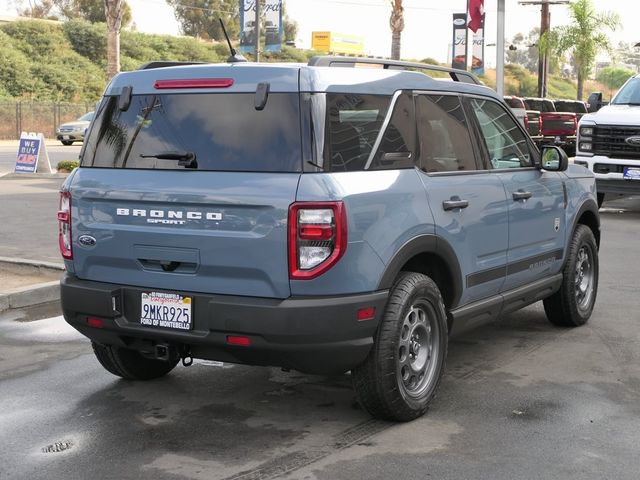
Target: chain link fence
40 117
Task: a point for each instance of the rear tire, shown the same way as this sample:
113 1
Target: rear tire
401 375
571 306
66 143
131 364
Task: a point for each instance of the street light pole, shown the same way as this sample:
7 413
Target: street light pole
500 50
257 30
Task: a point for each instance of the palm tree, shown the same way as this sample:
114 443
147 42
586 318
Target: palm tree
583 38
113 10
397 25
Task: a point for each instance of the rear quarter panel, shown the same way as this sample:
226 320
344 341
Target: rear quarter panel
384 210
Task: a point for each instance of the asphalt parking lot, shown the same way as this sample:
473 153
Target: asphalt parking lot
520 399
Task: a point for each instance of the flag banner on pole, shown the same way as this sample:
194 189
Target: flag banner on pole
247 26
476 14
477 53
459 52
273 27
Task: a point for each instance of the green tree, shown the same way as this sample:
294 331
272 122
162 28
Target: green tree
90 10
37 9
584 38
525 50
614 77
396 22
199 18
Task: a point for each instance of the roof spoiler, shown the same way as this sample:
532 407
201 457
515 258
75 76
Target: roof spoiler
337 61
162 64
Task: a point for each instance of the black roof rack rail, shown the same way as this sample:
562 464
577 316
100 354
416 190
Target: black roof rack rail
455 74
163 63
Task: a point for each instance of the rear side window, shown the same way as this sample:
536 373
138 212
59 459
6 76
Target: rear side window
222 132
445 144
353 126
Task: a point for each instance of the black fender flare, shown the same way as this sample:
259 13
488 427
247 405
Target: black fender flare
424 244
589 205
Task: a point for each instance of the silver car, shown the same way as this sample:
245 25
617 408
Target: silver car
71 132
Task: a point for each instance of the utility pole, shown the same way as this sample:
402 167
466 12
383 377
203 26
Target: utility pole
545 23
257 30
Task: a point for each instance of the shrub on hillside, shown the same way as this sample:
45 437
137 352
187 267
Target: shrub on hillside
88 39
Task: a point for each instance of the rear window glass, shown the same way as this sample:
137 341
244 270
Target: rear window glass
539 105
354 123
222 132
514 102
573 107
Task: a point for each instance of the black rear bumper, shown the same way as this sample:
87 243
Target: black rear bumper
310 334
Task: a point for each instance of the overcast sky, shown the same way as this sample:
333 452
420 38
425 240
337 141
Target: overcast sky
427 22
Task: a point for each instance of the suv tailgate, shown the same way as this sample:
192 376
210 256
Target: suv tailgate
214 232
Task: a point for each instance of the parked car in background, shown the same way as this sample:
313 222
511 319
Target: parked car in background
573 106
609 141
531 119
517 107
556 128
70 132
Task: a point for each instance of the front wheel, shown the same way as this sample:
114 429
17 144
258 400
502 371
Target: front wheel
131 364
66 143
401 375
571 306
600 199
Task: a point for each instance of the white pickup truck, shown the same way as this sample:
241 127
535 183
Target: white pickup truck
609 142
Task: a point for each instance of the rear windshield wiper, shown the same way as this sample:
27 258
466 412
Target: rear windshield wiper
185 159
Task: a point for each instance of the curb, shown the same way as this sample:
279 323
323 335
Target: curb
34 294
31 176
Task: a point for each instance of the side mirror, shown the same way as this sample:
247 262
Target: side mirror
594 102
554 159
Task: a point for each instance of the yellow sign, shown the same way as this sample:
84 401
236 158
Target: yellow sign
331 42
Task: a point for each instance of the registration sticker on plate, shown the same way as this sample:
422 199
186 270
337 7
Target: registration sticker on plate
631 173
166 310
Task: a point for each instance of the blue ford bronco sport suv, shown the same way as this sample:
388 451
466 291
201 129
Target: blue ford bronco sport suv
316 218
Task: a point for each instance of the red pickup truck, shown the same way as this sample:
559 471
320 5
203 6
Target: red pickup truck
556 128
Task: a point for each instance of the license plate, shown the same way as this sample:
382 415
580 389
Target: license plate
165 310
65 137
631 173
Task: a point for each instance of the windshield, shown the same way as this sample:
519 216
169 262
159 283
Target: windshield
87 117
222 132
629 94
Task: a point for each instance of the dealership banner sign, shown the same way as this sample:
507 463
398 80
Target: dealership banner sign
477 52
272 27
459 56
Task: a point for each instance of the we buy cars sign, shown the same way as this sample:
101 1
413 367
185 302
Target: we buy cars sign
30 150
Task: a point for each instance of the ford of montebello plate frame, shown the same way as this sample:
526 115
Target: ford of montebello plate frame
166 310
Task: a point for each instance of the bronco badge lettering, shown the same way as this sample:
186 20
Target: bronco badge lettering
168 217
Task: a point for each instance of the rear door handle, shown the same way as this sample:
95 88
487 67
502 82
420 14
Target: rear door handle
455 203
521 195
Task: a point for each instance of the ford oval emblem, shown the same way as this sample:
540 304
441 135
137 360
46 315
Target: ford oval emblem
86 240
635 141
459 21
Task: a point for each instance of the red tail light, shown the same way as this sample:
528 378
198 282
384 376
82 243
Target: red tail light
64 225
317 238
